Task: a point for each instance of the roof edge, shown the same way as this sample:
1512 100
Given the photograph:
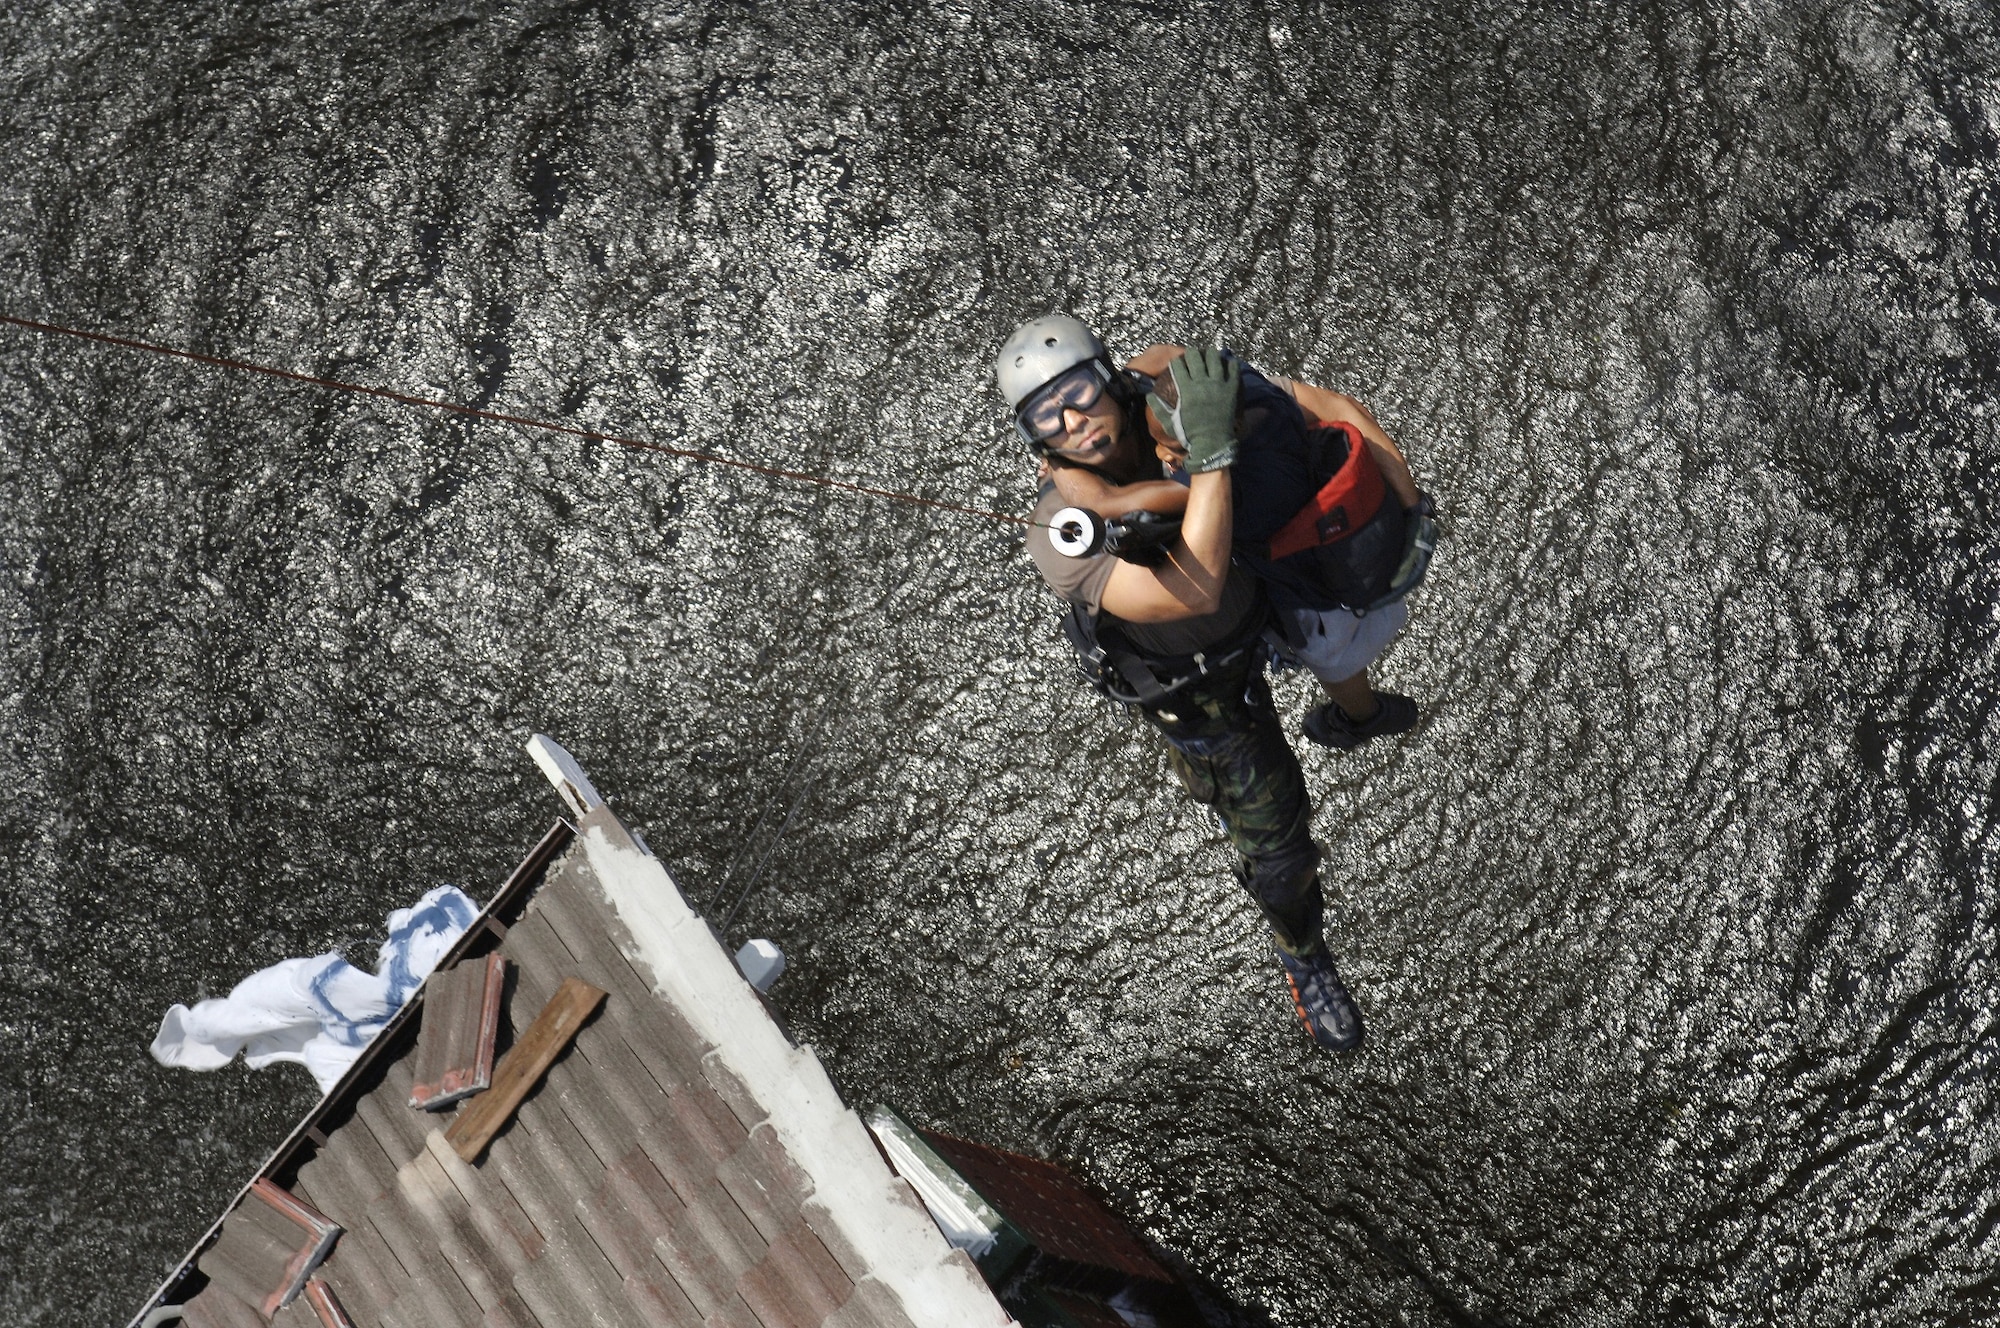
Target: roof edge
874 1211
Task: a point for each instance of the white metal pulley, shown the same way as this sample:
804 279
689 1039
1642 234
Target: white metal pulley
1076 532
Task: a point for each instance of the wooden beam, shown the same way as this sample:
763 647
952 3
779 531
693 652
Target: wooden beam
523 1067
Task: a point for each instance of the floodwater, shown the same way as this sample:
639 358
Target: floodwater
1674 925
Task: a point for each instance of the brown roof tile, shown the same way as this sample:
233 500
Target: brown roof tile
797 1284
492 1208
298 1314
511 1312
346 1175
871 1306
364 1272
216 1307
660 1301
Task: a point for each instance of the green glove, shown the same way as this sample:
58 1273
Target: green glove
1203 416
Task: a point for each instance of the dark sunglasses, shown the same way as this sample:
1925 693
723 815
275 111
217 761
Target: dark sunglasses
1040 418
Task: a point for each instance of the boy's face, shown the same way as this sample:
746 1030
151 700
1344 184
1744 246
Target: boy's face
1165 446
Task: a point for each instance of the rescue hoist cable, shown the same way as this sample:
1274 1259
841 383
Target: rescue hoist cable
520 421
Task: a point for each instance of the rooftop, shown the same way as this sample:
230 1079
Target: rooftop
680 1162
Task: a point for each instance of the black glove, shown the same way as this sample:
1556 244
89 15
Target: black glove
1142 537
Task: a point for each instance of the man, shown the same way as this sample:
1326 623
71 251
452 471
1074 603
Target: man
1328 516
1178 636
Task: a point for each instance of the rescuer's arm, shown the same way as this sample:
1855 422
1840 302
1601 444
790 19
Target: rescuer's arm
1203 420
1324 407
1085 488
1189 583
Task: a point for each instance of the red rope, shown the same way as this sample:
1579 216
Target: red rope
523 421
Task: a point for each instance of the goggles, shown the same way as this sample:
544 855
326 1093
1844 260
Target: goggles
1040 417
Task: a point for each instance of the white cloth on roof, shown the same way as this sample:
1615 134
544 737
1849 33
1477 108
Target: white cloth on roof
318 1012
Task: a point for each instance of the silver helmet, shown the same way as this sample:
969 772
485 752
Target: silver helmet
1038 351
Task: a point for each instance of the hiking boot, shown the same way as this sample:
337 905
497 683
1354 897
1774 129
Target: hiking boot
1330 1015
1329 726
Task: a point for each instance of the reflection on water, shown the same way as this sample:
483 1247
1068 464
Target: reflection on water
1671 925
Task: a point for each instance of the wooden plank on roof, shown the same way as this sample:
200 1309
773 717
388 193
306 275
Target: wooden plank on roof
461 1021
633 1093
642 1022
589 926
575 911
523 1066
391 1041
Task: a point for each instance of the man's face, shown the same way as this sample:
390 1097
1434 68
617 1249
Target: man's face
1077 418
1091 435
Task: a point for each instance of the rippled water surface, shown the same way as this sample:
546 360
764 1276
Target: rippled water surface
1674 924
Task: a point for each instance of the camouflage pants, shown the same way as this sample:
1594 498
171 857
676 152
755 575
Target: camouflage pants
1230 751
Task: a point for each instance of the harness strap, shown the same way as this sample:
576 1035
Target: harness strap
1344 504
1108 659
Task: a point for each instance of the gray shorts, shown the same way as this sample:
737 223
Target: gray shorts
1335 644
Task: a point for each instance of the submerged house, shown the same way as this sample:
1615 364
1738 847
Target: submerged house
588 1116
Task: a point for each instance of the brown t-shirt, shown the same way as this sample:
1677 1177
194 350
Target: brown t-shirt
1082 581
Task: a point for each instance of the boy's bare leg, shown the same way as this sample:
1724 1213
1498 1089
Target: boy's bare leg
1354 696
